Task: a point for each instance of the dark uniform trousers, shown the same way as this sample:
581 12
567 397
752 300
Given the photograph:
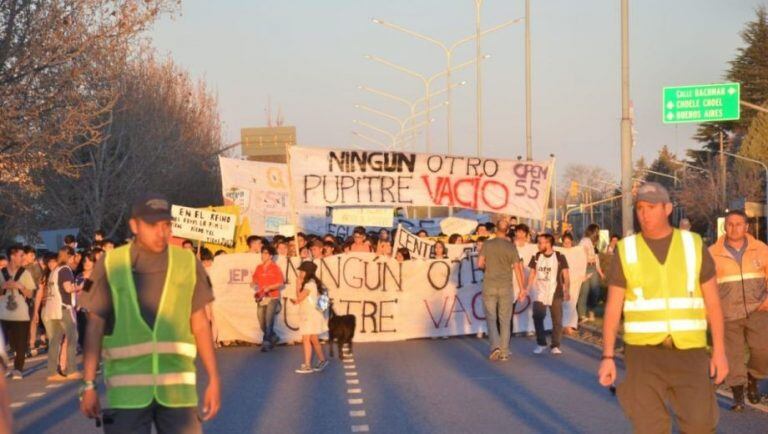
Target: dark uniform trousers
184 420
753 333
657 375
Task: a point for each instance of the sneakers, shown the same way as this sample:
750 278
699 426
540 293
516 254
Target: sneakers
17 375
479 335
495 354
504 358
320 366
304 369
539 349
556 351
738 399
753 392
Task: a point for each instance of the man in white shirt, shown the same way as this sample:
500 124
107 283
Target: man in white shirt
549 283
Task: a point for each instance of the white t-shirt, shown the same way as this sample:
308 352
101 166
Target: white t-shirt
548 276
21 313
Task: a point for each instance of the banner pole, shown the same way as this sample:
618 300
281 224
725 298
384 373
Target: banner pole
291 194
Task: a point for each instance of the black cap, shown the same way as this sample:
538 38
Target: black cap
308 267
151 207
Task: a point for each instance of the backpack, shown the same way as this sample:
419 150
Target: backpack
11 303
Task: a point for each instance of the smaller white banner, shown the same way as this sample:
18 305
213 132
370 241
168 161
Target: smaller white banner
457 225
203 225
419 247
377 217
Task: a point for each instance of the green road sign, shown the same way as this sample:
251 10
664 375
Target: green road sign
701 103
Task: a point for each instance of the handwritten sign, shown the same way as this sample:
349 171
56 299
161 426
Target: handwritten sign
330 177
377 217
203 225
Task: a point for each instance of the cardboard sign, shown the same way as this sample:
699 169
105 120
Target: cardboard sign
203 225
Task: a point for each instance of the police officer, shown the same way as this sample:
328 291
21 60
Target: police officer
664 283
742 267
146 305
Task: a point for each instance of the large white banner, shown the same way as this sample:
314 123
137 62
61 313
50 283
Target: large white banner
391 300
329 177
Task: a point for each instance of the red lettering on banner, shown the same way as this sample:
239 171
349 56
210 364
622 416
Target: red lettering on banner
482 193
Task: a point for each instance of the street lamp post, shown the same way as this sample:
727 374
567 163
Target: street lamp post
626 125
427 81
448 50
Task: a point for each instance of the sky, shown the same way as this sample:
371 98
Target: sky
308 57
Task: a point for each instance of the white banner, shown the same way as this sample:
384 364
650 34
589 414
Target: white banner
203 225
329 177
391 300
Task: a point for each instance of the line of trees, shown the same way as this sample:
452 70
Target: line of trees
90 116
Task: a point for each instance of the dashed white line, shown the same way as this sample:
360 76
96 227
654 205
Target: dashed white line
357 413
53 386
354 391
360 428
355 401
351 374
349 366
35 395
349 360
17 404
353 381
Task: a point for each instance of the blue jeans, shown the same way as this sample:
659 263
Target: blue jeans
589 293
56 329
266 314
497 303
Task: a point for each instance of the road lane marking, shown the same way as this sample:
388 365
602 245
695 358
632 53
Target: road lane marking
353 381
355 401
351 374
35 395
354 391
53 386
360 428
357 413
349 366
17 404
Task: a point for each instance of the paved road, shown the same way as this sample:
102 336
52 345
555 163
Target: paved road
421 386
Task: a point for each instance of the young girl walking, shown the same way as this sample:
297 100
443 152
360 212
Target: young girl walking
312 320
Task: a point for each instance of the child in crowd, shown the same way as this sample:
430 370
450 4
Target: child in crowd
312 320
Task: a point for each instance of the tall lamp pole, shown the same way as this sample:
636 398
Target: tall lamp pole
626 125
479 79
528 138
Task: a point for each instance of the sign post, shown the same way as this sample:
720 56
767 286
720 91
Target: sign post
701 103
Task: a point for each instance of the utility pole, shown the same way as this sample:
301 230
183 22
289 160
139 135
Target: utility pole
528 139
626 128
479 78
722 171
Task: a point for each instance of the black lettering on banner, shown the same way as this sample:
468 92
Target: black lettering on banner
388 188
433 278
429 163
494 164
477 299
398 279
325 190
335 277
361 161
473 267
307 187
332 157
377 274
457 300
459 262
401 189
472 164
382 317
348 302
285 316
290 272
369 315
347 183
358 280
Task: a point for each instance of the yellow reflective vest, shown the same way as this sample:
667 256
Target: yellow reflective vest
663 300
142 364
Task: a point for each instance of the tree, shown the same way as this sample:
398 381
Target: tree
750 177
163 135
665 163
593 179
56 77
750 68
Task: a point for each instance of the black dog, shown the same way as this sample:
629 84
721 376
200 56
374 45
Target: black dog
342 329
